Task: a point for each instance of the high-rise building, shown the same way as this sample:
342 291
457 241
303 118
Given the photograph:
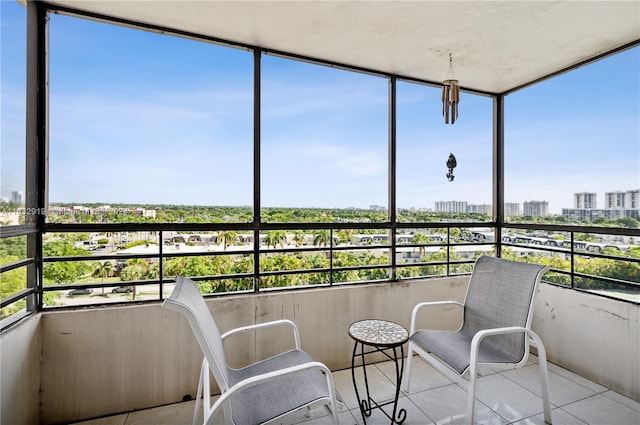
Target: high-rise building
511 208
585 200
480 209
16 197
451 206
620 200
536 208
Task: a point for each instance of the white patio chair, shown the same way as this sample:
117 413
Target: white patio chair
270 391
496 329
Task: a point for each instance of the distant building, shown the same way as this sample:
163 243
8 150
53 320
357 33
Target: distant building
585 200
451 206
145 212
511 208
480 209
16 197
591 215
619 200
536 208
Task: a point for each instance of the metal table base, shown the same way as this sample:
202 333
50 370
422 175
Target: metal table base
390 349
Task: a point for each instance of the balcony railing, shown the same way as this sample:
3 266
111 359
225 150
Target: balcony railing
224 258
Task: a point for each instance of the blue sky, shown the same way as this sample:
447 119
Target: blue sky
138 117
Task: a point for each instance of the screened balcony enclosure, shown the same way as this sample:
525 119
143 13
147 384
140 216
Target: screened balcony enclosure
291 158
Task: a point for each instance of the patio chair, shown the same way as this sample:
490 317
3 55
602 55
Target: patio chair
496 329
271 391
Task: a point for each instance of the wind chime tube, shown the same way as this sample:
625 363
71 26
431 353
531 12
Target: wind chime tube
455 99
450 100
445 102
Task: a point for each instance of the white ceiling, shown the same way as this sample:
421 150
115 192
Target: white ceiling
496 46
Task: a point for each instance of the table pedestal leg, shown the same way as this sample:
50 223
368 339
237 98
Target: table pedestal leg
367 404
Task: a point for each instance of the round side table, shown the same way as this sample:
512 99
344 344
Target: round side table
381 336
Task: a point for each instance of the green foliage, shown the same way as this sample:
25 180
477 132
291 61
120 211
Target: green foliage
226 238
63 271
12 281
13 247
310 264
275 238
322 237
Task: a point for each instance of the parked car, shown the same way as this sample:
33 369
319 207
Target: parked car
81 291
122 289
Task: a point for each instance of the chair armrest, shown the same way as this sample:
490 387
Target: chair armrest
480 335
283 322
258 379
419 306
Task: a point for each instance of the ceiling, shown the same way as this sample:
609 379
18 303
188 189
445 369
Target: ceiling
496 46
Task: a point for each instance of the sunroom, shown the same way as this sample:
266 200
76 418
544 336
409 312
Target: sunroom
292 158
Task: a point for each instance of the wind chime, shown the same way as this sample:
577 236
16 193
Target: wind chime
450 95
450 100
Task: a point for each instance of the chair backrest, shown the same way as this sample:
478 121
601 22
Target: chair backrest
501 294
187 300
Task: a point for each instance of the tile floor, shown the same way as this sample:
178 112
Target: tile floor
511 397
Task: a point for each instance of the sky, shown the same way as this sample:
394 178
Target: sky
138 117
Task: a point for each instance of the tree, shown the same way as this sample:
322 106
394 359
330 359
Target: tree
298 237
103 270
345 235
12 281
421 238
63 271
135 269
275 238
322 237
226 238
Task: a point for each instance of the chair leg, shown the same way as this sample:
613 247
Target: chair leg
196 409
544 382
407 374
471 398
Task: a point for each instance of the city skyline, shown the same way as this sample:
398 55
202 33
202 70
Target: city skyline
508 205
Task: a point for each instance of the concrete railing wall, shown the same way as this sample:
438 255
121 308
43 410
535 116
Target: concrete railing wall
93 362
20 372
595 337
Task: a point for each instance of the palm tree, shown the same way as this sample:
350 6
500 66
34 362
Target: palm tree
135 269
298 237
346 234
322 237
102 270
226 237
275 237
421 238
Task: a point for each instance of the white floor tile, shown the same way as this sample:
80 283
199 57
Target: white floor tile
413 416
345 417
505 397
603 410
423 376
344 386
558 416
509 397
381 388
447 405
597 388
562 391
630 403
